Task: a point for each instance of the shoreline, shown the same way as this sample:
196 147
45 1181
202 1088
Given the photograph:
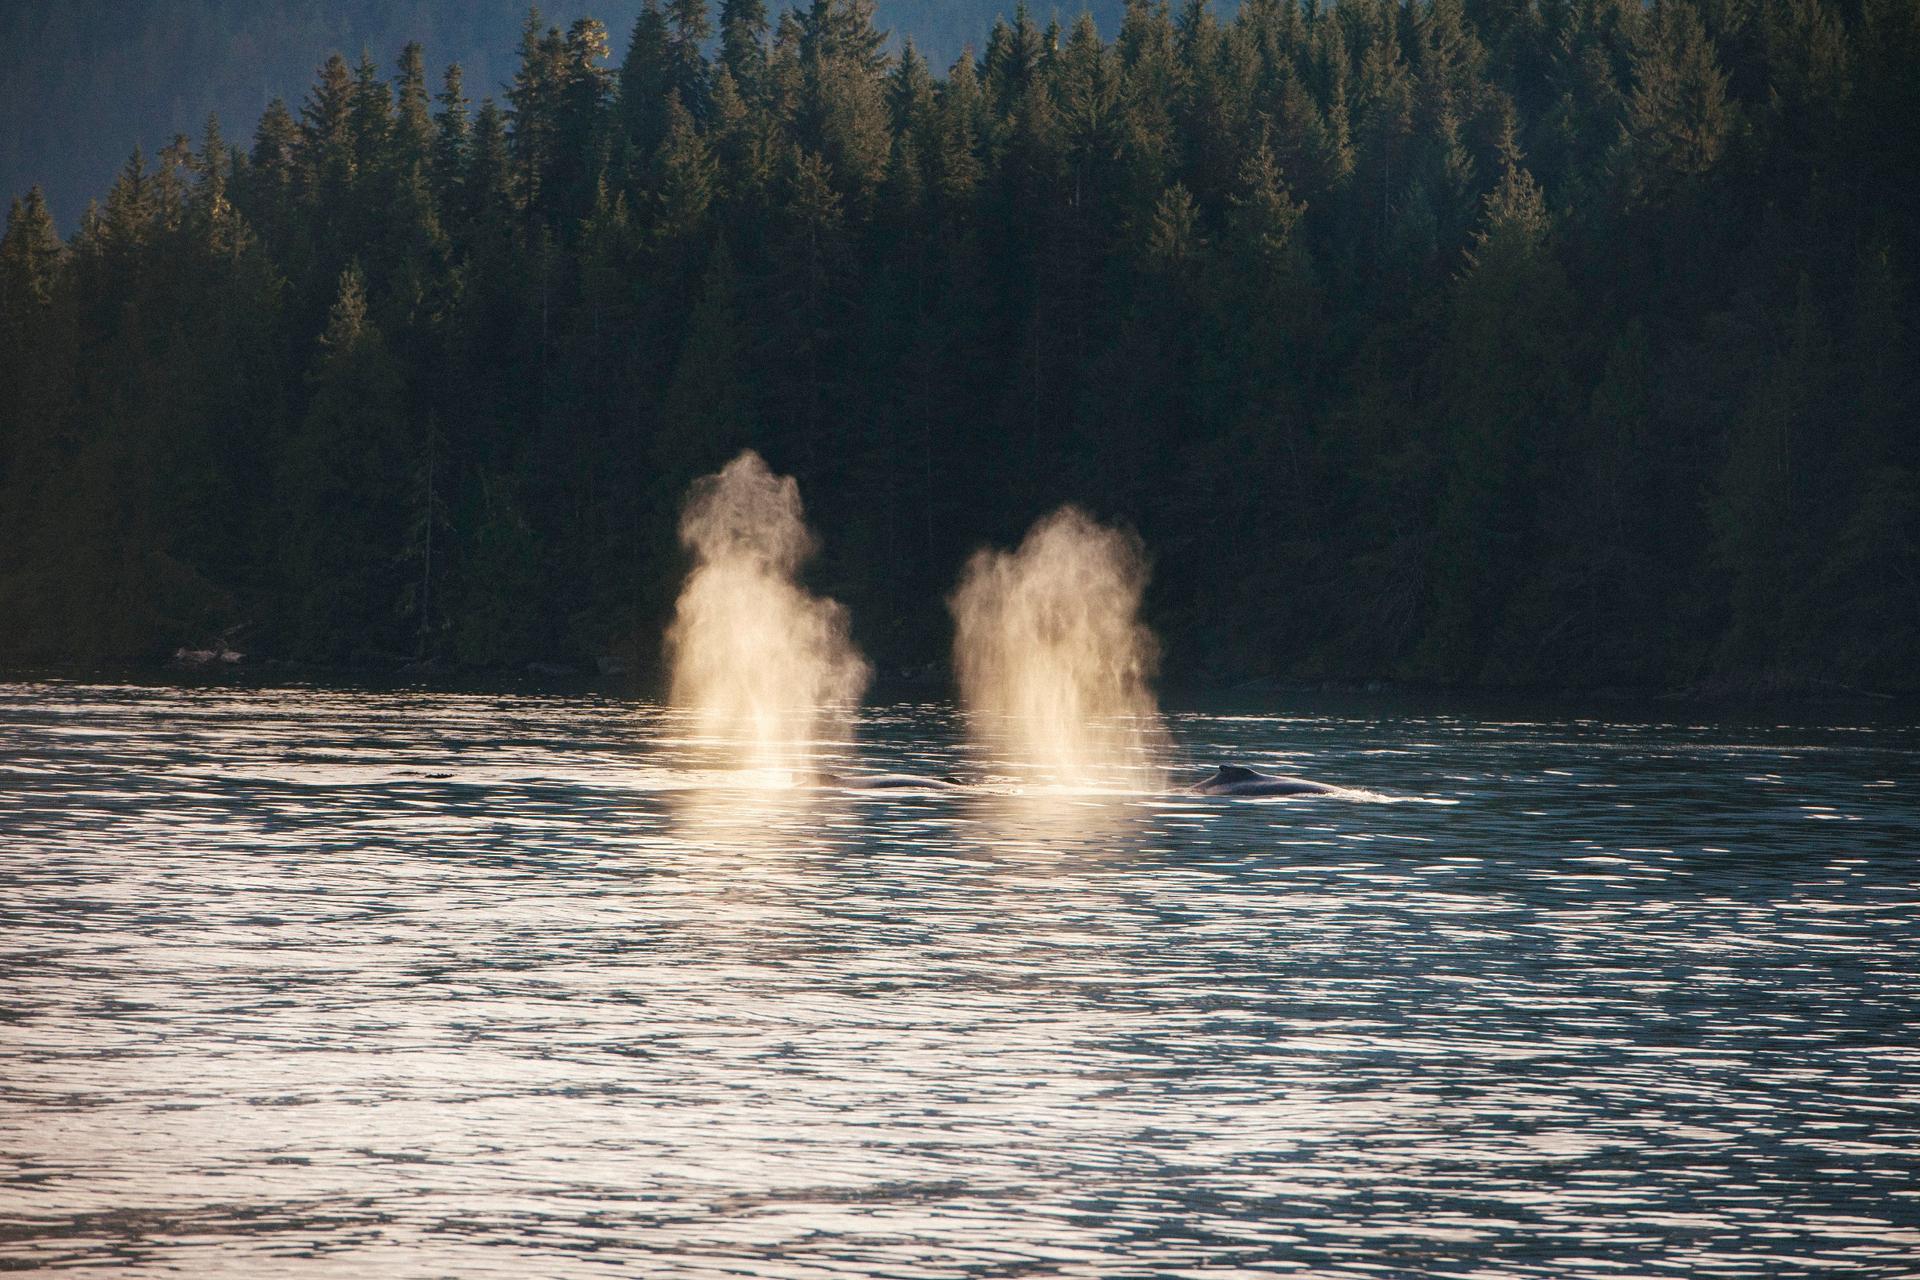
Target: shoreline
1178 693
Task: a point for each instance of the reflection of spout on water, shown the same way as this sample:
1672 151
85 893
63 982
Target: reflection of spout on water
1055 820
1053 661
767 670
749 813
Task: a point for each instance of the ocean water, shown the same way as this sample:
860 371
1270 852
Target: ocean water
338 983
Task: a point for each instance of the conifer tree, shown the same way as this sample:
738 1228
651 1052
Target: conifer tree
955 160
688 27
29 252
842 30
842 113
452 131
127 219
1329 73
910 95
1871 567
1679 117
1264 214
218 226
1090 91
326 157
743 144
1762 503
370 117
743 44
587 86
275 144
271 161
1384 101
413 119
534 107
1015 55
1508 316
1302 144
811 289
646 82
344 490
1155 81
685 183
1173 236
707 416
489 189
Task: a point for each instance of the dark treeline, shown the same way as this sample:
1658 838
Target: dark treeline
1561 342
83 81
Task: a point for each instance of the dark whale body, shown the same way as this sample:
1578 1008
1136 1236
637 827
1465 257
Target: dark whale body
1238 780
1227 780
885 782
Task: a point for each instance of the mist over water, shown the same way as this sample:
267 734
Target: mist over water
1052 660
766 669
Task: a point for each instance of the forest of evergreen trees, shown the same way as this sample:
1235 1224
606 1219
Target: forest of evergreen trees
1560 343
83 81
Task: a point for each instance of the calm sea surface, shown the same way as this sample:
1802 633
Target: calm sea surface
346 984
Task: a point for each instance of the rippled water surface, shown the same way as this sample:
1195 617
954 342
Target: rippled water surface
348 984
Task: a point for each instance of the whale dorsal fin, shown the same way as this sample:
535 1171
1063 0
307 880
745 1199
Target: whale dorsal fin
1235 773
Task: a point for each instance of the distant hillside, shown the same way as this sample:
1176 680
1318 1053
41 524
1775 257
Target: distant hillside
84 81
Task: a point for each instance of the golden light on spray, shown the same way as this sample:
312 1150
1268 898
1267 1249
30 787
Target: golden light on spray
1052 659
767 670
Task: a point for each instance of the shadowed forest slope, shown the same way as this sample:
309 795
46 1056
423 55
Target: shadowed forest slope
1563 343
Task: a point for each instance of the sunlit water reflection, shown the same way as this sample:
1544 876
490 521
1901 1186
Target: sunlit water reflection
323 983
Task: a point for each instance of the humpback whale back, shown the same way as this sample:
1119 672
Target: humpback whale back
886 782
1238 780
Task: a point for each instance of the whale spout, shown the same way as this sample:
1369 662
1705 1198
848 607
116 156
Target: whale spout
1053 662
766 670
